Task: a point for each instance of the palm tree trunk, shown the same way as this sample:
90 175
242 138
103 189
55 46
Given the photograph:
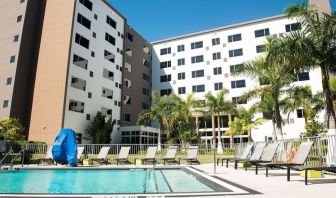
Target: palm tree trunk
159 139
331 116
219 146
213 130
197 124
274 136
278 119
249 135
231 136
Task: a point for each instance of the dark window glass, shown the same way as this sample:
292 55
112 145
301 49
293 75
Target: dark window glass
197 73
181 90
165 92
216 41
197 59
165 51
299 113
234 38
111 22
218 86
180 48
84 21
5 104
12 59
180 61
198 88
181 76
236 52
16 38
82 41
217 70
109 38
19 18
9 81
238 100
76 106
216 56
86 3
109 56
165 78
238 84
303 76
233 68
129 36
165 64
293 27
261 33
260 48
197 45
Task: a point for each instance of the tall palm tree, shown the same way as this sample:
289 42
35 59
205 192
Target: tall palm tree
273 71
314 46
217 105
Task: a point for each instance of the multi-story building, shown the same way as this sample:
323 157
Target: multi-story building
62 74
202 62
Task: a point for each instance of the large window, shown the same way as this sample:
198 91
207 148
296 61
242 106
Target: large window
233 68
111 22
109 56
197 45
78 83
238 84
84 21
218 86
76 106
180 48
80 62
181 90
5 104
165 51
165 78
293 27
198 88
108 74
235 52
197 73
165 64
216 41
80 40
260 48
86 3
238 100
109 38
234 38
197 59
165 92
181 76
262 32
216 56
303 76
217 70
107 93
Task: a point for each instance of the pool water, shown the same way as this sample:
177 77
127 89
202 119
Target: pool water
100 181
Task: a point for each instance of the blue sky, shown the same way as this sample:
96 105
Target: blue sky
160 19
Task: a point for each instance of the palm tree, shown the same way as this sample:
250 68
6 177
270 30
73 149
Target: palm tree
217 105
276 75
314 46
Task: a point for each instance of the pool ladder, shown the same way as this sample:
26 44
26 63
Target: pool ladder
14 157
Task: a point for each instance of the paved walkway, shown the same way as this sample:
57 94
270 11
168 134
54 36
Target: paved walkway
276 184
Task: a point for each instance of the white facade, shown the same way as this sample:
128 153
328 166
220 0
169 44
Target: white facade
96 85
248 44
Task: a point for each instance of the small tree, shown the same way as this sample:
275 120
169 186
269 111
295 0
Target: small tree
99 131
315 128
11 129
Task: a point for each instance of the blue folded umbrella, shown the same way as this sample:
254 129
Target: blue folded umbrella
64 149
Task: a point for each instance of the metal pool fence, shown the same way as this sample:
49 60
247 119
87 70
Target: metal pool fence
321 153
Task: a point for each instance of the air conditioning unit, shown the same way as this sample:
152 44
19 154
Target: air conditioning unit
174 68
207 48
224 44
226 75
225 60
208 62
208 77
174 54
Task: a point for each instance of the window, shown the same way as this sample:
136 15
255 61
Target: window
299 113
16 38
197 73
129 36
236 52
84 21
165 92
303 76
145 77
216 41
145 106
109 56
89 95
262 32
95 16
238 84
198 88
165 51
197 45
165 64
19 18
86 3
165 78
88 117
234 38
238 100
197 59
218 86
109 38
9 81
76 106
94 35
108 74
181 76
93 54
5 104
233 68
107 93
91 74
78 83
293 27
145 62
12 59
181 90
181 61
80 40
126 117
180 48
217 70
145 91
79 61
216 56
260 48
111 22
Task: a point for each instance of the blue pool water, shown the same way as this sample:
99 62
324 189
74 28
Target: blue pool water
100 181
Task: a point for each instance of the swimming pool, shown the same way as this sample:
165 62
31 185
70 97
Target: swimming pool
109 181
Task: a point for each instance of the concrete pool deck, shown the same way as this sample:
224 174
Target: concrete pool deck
274 186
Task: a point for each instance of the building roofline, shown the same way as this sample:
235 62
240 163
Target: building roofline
114 9
219 29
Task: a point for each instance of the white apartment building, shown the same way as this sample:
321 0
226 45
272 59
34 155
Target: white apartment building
202 62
